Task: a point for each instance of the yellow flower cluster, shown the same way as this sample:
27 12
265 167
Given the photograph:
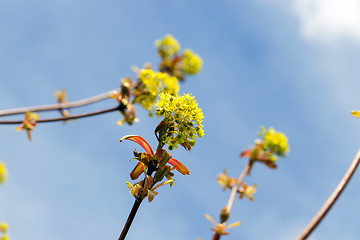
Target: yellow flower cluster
191 62
3 229
154 83
3 172
186 118
167 46
356 114
274 142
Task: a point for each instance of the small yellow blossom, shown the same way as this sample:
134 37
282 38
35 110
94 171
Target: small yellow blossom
191 63
167 46
273 141
225 181
3 176
183 119
5 237
220 228
154 83
3 227
356 114
29 123
247 191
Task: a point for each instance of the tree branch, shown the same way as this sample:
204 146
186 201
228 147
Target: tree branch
237 186
66 118
234 191
332 199
58 106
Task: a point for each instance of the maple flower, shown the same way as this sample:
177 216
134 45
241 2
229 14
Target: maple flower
151 84
247 191
225 181
191 63
29 123
182 122
274 141
355 113
5 237
3 172
167 46
272 145
3 227
157 160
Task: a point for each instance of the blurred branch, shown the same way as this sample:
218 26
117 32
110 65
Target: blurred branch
237 186
331 200
66 118
60 106
234 191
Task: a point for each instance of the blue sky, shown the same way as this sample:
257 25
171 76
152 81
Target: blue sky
292 65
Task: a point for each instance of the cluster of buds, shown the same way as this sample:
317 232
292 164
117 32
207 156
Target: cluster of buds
174 62
268 148
126 108
3 231
149 162
161 162
3 172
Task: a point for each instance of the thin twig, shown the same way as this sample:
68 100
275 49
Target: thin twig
236 186
332 198
130 218
57 106
83 115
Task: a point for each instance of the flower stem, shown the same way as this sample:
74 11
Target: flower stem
134 209
331 200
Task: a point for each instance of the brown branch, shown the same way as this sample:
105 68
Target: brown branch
65 118
130 218
332 198
216 236
58 106
236 186
234 191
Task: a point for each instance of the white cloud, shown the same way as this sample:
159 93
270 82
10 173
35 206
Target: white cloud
329 20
